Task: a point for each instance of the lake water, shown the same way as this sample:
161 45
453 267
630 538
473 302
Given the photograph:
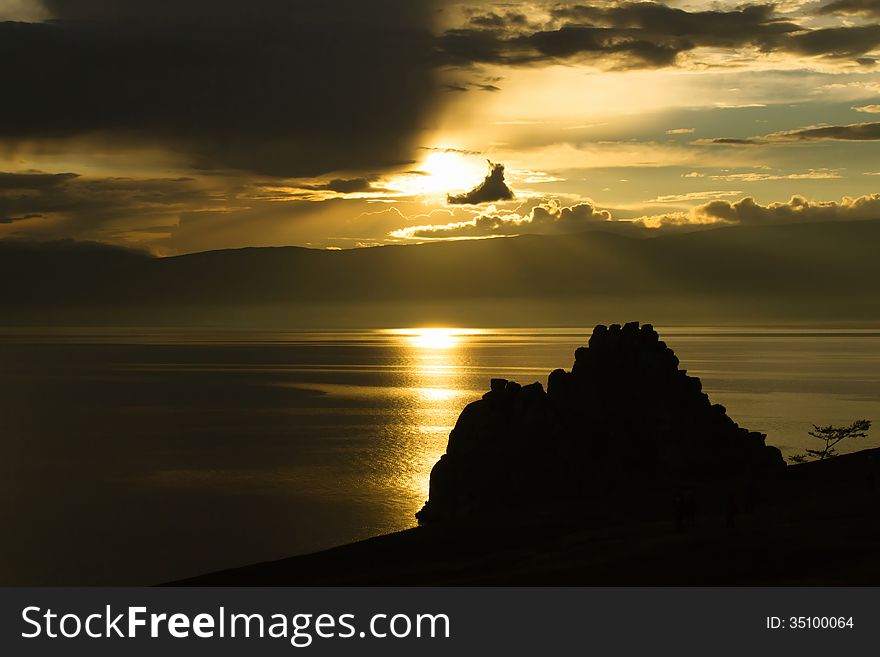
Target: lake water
139 456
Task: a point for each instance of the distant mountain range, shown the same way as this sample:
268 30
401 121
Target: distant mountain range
743 274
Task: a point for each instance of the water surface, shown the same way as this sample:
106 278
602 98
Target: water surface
139 456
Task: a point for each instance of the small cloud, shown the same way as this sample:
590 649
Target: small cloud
493 188
530 177
4 219
680 131
343 186
441 149
33 180
693 174
467 86
757 176
693 196
867 7
851 132
728 141
585 126
868 109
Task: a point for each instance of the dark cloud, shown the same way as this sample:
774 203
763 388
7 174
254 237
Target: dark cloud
33 180
628 35
343 186
798 208
835 42
625 51
280 87
349 185
463 47
545 218
853 132
730 141
467 86
632 35
93 206
749 24
461 151
867 7
8 219
493 188
468 46
496 20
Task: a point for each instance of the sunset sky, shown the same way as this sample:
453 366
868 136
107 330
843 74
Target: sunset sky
183 127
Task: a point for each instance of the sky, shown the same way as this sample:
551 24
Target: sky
188 126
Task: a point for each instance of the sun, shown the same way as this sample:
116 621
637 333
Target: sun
447 171
441 172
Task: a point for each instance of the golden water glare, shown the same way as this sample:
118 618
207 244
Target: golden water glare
435 358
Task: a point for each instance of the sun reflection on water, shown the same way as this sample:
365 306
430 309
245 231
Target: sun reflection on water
434 338
434 359
436 394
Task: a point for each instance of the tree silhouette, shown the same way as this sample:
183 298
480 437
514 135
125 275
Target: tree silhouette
831 435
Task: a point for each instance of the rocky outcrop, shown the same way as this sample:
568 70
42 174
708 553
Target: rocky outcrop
625 419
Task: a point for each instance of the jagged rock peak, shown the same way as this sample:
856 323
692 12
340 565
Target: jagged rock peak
625 417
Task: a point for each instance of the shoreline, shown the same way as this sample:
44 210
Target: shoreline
820 525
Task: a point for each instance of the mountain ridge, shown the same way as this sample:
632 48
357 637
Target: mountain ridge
801 271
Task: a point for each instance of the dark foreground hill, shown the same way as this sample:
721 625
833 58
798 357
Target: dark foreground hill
819 526
822 271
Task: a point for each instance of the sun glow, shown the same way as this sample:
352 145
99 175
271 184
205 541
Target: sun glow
441 172
448 171
434 337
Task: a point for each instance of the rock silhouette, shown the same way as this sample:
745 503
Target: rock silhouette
625 420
